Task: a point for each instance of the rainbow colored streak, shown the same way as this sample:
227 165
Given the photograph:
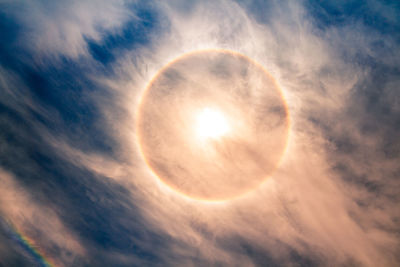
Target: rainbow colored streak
29 246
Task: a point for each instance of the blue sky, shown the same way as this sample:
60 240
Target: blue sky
72 177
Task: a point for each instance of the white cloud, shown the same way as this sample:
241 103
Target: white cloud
53 28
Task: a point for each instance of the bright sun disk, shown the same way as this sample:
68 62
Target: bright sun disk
211 123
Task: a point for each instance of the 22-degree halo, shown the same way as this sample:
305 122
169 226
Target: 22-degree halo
243 95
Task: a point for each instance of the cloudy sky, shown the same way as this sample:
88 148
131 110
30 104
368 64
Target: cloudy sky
75 189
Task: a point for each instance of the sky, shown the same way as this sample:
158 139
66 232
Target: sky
76 189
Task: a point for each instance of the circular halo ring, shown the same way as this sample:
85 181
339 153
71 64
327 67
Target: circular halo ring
173 187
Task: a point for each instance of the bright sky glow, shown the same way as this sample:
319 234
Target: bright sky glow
211 123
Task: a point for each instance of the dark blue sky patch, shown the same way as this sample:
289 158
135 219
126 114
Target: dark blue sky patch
262 11
134 33
66 94
383 16
8 43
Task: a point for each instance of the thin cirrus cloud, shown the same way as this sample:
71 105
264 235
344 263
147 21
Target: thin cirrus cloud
60 28
71 77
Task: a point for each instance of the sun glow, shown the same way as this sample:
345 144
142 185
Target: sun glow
211 123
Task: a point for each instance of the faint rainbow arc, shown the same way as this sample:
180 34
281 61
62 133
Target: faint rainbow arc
29 245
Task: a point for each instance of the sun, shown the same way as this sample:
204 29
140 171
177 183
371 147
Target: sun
211 124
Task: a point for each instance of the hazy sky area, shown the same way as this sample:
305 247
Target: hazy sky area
75 189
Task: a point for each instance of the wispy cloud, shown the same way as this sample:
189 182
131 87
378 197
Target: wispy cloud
61 28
